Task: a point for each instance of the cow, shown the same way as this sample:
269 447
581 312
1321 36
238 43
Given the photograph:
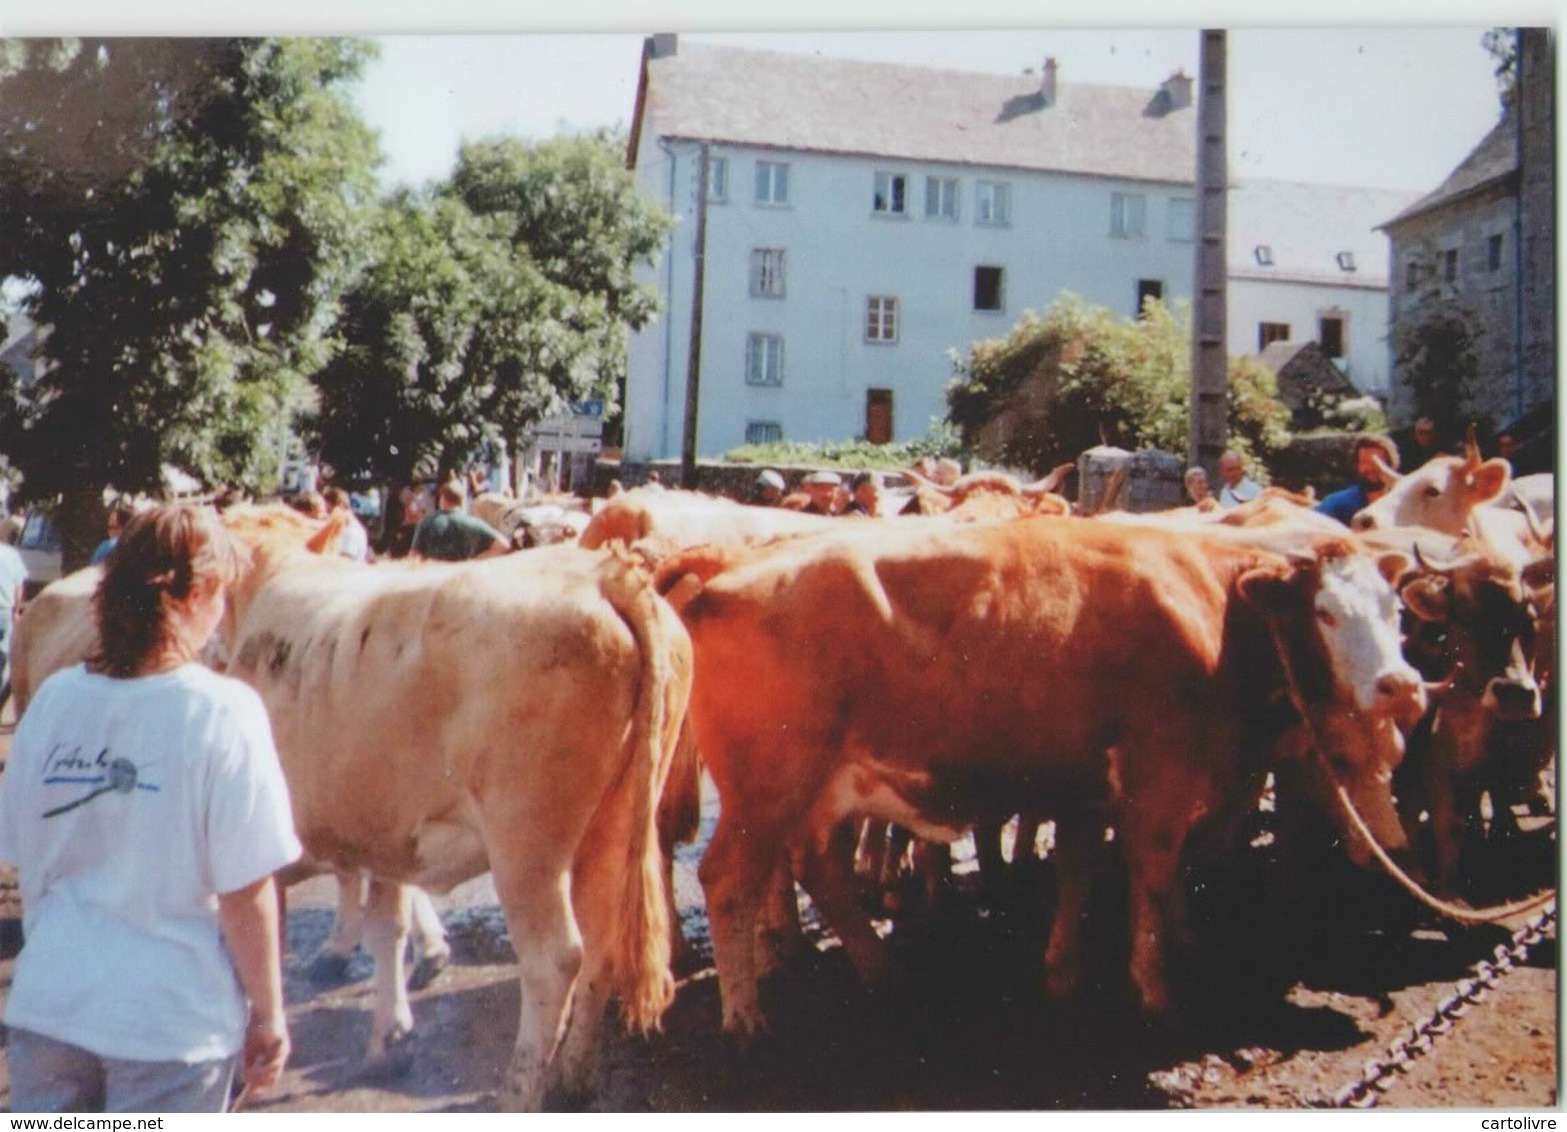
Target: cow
1457 495
662 521
927 674
515 715
1475 632
55 630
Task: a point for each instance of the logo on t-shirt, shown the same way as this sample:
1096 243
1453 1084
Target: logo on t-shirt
104 775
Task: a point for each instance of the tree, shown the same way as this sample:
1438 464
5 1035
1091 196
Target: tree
1502 45
188 301
1438 358
506 293
1059 384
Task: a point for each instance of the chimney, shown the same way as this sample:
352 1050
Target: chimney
664 45
1177 90
1047 82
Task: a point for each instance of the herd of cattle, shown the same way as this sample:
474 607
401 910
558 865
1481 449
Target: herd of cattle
545 716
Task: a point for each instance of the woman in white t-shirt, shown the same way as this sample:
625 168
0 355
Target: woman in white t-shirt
146 811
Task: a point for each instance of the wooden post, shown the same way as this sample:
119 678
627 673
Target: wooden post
1210 376
694 360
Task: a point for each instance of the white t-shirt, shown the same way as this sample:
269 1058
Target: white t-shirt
354 542
1243 492
128 805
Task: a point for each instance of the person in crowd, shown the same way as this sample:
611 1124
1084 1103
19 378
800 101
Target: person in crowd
13 582
1201 493
947 471
770 488
453 535
865 495
1371 482
119 515
825 493
1420 444
146 812
310 503
1238 487
354 542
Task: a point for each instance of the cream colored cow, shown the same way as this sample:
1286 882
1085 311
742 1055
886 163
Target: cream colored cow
516 715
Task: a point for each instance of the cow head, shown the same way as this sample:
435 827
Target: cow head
1440 494
1477 631
1333 615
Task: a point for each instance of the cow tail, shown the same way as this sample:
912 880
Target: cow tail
642 951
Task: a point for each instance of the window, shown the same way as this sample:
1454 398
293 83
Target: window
1182 220
1148 289
1128 212
772 182
941 198
763 432
767 273
993 203
1270 332
888 199
1450 265
1263 254
764 359
1330 334
988 288
878 416
1346 261
881 319
1493 252
718 178
1413 273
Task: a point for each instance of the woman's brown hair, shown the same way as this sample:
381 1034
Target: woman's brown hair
164 550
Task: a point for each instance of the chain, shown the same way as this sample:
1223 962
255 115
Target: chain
1420 1037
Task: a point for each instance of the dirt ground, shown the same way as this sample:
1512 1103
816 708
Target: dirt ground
1264 1024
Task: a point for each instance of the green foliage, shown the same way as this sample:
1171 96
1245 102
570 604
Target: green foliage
1060 384
488 305
849 454
1438 358
189 288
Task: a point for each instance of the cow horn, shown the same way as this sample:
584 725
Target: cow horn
1438 688
1471 447
1389 473
1426 565
1537 530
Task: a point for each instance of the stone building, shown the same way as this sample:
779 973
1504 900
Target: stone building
1481 246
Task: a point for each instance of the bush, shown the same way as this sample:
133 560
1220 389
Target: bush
1060 384
941 440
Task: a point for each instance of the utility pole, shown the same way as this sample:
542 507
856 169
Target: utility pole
694 362
1210 364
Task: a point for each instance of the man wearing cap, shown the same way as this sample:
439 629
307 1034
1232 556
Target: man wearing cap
825 490
769 488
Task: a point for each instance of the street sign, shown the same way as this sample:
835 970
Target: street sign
593 407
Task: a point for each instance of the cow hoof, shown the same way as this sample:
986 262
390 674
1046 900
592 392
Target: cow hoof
425 971
395 1059
328 970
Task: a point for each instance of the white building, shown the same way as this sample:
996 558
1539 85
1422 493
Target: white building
864 220
1307 263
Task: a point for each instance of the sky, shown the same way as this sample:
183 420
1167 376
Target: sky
1318 93
1390 107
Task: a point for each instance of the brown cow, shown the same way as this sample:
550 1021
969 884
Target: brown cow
514 714
927 674
1477 633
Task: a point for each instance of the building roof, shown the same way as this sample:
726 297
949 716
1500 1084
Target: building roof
1301 368
1493 160
1306 227
810 103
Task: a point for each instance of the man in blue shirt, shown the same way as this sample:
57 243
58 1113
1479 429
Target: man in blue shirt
1371 453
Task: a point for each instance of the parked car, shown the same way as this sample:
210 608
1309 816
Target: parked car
39 545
